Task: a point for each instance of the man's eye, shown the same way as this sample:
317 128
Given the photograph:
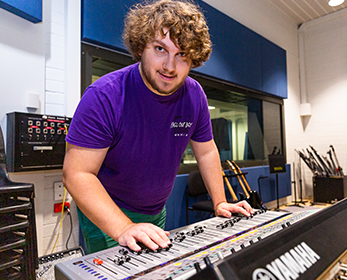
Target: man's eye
160 49
183 54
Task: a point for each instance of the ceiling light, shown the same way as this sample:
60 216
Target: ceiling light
211 107
334 3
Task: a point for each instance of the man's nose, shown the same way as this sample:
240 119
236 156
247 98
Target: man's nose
169 64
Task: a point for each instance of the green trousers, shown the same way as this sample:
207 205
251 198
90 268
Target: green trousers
96 240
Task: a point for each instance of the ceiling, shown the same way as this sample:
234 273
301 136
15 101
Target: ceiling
301 11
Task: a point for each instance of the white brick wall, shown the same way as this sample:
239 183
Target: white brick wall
325 42
54 12
34 59
57 17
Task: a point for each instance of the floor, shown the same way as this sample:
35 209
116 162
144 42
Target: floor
304 205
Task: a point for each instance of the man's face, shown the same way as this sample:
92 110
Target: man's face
164 66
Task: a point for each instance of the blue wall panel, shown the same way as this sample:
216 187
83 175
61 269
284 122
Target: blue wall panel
236 53
103 21
274 69
176 204
239 55
29 9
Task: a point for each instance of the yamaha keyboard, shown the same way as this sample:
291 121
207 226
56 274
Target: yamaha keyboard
194 249
313 248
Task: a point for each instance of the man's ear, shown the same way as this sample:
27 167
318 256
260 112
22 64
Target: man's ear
139 53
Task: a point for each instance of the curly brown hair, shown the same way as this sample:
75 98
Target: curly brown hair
184 19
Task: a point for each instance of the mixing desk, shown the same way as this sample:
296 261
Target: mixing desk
193 248
313 248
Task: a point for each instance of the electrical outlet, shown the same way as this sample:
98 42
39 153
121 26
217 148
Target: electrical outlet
58 196
58 190
58 186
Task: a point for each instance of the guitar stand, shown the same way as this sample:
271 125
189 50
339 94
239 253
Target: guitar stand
300 182
296 203
235 175
301 201
278 200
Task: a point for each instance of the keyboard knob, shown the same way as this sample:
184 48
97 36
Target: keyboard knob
207 261
197 267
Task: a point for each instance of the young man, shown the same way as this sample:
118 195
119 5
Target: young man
132 126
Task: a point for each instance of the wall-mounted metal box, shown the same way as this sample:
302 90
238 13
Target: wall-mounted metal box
35 142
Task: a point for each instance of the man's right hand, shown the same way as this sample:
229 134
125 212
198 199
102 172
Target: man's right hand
150 235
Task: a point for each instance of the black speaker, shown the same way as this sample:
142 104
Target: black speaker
329 189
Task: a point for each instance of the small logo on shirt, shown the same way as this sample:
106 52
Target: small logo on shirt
180 128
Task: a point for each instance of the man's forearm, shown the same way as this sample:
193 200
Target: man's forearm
211 171
93 200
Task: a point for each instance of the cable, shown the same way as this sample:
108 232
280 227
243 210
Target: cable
68 210
71 226
61 221
63 207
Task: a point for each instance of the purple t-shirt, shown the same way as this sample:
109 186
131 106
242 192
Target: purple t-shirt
146 134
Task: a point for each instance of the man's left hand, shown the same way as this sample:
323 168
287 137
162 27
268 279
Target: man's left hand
225 209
